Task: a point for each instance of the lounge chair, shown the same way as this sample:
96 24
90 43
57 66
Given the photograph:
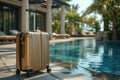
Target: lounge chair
6 38
90 34
60 36
64 35
14 32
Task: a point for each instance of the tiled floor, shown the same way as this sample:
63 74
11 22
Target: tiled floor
8 68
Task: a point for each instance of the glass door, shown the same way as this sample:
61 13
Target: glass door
9 19
1 19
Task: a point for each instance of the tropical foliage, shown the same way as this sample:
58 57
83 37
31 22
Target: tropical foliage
56 21
110 11
73 19
74 22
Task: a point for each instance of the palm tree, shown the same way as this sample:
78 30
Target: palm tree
56 18
109 9
73 18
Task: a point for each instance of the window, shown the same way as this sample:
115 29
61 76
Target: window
8 19
37 21
1 19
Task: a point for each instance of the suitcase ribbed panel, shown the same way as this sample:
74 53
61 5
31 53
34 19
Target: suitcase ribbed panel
35 51
45 49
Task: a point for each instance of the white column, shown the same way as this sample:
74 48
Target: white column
62 29
25 16
49 17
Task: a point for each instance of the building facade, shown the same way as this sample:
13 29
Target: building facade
11 16
27 15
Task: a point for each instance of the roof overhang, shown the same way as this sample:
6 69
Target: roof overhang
56 3
36 1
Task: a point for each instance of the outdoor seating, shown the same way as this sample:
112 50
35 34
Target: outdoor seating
60 36
7 38
14 32
90 34
64 35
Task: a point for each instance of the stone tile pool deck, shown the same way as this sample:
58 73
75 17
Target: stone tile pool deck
8 68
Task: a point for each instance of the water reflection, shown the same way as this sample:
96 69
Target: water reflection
100 56
111 58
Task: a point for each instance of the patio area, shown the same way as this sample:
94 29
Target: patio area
8 68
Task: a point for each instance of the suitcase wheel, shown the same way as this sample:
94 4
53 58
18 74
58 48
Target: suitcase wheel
18 72
48 70
28 74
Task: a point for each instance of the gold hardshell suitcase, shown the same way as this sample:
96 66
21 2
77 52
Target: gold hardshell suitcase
32 52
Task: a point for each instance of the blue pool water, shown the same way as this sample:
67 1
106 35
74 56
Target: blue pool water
100 56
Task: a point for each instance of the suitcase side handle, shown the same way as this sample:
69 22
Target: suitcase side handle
20 50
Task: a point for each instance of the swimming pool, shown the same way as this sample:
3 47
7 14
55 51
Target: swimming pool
100 56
